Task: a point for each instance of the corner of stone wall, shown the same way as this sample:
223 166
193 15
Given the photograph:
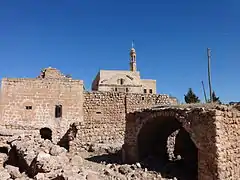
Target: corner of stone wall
228 143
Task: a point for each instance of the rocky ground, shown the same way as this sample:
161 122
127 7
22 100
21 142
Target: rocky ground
31 157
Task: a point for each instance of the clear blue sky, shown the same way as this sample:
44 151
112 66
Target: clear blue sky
80 37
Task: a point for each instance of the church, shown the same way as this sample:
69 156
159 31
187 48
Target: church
128 81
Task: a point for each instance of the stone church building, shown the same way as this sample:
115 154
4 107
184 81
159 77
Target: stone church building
124 81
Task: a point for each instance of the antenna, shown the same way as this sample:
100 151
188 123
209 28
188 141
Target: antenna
132 43
209 73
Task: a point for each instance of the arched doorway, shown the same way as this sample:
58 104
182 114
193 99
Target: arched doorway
165 146
46 133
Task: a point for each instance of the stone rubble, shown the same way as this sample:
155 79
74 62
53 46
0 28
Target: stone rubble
31 157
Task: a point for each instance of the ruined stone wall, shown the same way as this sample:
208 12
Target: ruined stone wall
194 120
105 114
30 103
214 130
228 143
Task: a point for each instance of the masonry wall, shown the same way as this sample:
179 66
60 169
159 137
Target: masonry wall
228 143
42 95
214 130
105 115
194 121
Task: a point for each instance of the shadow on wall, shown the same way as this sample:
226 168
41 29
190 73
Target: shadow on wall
164 146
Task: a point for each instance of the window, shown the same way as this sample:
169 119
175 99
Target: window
121 81
150 91
28 107
58 111
142 98
126 89
116 89
145 90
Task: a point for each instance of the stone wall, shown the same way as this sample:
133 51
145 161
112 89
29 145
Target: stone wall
30 103
193 120
105 114
228 143
213 129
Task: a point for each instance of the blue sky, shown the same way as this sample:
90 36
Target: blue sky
81 37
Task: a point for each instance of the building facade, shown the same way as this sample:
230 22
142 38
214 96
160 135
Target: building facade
124 81
50 100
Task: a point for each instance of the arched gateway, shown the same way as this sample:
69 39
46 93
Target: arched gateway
176 141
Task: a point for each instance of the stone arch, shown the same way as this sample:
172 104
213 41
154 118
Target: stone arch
46 133
165 144
180 117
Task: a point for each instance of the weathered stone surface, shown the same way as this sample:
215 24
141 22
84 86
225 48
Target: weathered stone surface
212 128
57 150
92 176
40 176
76 160
29 104
42 160
124 169
105 115
13 171
4 175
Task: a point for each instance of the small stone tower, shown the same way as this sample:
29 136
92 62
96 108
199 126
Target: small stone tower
133 63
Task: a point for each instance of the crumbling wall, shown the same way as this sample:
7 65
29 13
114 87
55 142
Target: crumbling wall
30 103
199 122
228 143
105 114
214 130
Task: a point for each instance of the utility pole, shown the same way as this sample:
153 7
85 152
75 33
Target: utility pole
204 91
209 73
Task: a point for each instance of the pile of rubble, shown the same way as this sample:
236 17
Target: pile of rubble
25 157
32 157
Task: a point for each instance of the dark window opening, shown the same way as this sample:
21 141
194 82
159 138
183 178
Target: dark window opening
46 133
126 89
150 91
121 81
28 107
58 111
98 112
145 90
142 98
115 89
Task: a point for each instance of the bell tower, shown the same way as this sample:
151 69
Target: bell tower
133 63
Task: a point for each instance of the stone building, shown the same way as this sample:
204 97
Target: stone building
57 107
53 101
123 80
